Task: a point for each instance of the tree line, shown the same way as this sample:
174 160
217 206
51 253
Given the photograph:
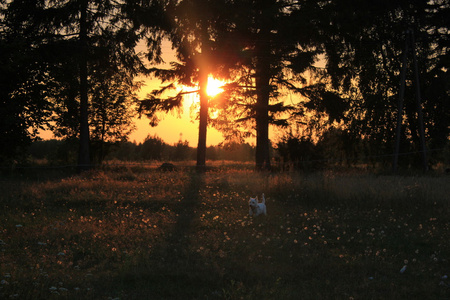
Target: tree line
310 67
153 148
335 150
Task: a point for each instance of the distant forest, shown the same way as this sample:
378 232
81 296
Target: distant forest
61 152
288 154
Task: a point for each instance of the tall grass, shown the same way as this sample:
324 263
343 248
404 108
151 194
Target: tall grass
138 233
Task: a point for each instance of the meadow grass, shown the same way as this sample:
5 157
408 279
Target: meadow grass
138 233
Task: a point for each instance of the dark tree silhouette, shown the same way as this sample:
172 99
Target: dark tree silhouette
24 102
364 52
97 39
63 52
84 158
195 28
274 44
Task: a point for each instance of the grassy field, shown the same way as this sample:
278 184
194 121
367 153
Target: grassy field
138 233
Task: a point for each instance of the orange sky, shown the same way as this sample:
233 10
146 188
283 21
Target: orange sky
171 128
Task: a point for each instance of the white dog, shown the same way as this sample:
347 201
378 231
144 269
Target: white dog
257 208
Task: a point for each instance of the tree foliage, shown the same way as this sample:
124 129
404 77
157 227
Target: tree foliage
70 65
276 49
24 77
363 54
83 63
196 27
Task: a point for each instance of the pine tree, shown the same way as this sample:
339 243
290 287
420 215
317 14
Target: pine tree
24 99
364 50
274 44
195 26
97 39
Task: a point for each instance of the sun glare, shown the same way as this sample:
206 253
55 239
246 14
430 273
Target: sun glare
214 86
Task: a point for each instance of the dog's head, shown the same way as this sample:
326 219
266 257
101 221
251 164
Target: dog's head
253 202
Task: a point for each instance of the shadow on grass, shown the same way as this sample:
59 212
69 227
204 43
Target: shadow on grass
36 174
173 269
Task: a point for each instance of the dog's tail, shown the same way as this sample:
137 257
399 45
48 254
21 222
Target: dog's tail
263 199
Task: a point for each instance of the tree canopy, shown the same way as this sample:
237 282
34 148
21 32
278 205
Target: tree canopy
71 66
364 59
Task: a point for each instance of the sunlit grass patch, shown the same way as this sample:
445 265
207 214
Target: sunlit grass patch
136 234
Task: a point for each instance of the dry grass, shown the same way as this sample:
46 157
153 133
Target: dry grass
137 233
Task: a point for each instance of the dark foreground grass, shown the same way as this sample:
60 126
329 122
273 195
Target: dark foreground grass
144 234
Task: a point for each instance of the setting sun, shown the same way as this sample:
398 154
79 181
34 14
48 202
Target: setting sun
214 86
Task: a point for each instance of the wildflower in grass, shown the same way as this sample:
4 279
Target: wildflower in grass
403 269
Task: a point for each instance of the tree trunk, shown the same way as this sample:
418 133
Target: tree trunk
84 161
262 156
203 69
400 106
423 147
203 123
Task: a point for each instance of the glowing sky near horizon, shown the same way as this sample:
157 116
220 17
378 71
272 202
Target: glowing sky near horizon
173 127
